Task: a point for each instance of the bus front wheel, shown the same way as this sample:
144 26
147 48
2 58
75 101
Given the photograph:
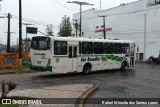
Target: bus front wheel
86 69
123 66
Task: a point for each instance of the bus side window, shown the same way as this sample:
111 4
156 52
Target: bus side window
60 48
125 48
98 48
108 48
87 47
117 48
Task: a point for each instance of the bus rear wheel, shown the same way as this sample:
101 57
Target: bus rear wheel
86 69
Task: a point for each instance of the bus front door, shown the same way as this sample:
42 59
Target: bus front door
72 63
132 55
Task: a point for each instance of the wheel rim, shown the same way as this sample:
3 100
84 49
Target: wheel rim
86 70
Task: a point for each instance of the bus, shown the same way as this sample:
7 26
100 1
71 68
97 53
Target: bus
75 54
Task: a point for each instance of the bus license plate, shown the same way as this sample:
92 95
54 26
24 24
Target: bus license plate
38 62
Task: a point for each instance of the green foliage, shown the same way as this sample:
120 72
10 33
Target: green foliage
26 40
65 27
49 30
11 84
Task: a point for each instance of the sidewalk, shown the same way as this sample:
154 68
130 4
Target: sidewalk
65 92
7 71
14 70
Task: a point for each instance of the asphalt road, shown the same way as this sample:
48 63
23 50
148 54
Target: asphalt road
142 81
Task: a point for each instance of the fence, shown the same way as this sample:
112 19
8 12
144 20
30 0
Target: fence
11 60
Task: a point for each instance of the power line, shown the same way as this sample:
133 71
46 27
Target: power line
35 21
122 13
64 6
31 20
44 24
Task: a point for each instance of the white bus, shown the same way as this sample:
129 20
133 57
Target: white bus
72 54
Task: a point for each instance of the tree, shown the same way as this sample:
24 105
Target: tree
49 30
65 27
26 43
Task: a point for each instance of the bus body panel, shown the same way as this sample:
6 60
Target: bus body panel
39 60
73 61
60 64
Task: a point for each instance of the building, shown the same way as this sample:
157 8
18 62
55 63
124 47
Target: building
138 21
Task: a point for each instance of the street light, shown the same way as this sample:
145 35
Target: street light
80 3
26 33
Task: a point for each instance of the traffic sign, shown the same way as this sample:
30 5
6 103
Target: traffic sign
32 30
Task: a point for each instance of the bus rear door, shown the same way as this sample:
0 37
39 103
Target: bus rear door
72 58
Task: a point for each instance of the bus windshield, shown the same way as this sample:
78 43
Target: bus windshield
40 43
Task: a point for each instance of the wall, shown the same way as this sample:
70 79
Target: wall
128 22
11 60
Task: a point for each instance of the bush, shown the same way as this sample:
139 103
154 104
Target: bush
11 84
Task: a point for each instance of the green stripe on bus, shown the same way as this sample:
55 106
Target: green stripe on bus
60 56
111 57
41 68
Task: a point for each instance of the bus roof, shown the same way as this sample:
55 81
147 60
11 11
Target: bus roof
74 39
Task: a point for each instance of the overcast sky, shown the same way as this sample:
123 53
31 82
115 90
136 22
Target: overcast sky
45 12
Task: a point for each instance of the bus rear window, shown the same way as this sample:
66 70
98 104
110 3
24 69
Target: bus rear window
40 43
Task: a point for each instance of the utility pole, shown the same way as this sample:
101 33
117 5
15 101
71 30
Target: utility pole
8 33
76 26
8 40
145 30
20 33
80 30
104 26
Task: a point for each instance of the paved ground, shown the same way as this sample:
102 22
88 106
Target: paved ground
143 81
56 93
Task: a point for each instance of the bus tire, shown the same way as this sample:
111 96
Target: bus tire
86 69
122 67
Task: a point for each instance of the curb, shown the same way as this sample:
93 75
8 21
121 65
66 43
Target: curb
16 71
10 72
83 98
